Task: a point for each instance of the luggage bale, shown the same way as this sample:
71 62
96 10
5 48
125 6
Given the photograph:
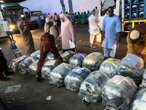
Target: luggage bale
110 67
77 59
139 102
23 66
132 66
15 62
93 61
58 74
75 77
91 88
144 79
118 92
66 56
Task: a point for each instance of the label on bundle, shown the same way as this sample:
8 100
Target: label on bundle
144 97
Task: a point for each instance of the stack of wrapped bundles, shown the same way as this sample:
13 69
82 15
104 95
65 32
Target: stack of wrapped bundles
66 56
36 55
77 59
118 92
24 65
140 101
75 77
56 77
93 61
110 67
47 67
15 63
132 66
144 80
91 88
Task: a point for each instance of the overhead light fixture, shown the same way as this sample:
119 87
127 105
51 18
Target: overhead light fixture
1 1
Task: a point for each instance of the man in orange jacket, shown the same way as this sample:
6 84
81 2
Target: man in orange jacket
136 41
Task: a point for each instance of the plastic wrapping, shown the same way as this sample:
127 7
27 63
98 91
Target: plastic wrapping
75 77
77 59
66 55
93 61
91 88
46 69
132 66
36 55
144 79
140 101
23 66
58 74
15 62
110 67
118 92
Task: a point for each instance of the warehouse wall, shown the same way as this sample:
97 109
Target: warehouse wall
52 6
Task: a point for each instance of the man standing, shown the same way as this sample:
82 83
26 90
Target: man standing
67 34
24 29
94 28
47 45
110 28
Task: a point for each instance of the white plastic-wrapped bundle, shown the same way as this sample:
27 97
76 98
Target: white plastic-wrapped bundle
58 74
66 55
132 66
46 69
93 61
77 59
140 101
23 66
118 93
91 88
75 77
110 67
50 56
36 55
15 62
144 79
33 68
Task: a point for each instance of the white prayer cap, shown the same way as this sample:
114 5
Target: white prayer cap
62 15
134 35
22 16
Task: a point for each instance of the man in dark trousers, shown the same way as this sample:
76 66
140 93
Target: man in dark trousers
24 29
47 45
4 70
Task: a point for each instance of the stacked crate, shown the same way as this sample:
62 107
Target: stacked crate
134 9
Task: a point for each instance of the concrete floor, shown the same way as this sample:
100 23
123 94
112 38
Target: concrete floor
32 95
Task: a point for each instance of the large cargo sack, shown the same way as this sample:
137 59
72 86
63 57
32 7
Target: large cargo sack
91 88
75 77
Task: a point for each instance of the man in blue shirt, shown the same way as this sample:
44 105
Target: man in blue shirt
111 27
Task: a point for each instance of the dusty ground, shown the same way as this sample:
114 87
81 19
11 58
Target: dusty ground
32 95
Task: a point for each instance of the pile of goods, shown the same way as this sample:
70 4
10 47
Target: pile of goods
118 93
56 77
93 61
77 59
75 77
91 88
132 66
139 102
110 67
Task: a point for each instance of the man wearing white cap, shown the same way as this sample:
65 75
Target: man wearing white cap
136 41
